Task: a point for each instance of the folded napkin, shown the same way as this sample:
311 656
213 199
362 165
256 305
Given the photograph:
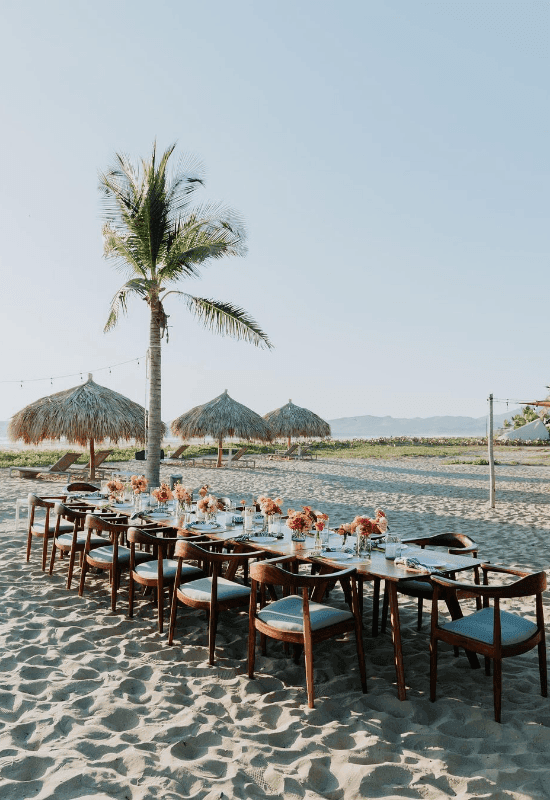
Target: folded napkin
415 565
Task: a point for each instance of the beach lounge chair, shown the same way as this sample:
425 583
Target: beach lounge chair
297 619
491 632
237 459
304 453
60 467
99 458
284 453
177 458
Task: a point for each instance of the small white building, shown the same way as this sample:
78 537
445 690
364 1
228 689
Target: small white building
535 430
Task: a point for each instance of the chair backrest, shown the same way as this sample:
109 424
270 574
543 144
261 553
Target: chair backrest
35 501
291 450
112 526
100 456
271 573
81 486
529 584
70 513
457 543
177 453
64 462
240 453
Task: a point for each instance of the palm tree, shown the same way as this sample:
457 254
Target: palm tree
158 237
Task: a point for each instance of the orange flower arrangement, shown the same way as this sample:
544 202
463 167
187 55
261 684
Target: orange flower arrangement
115 488
300 520
320 522
182 494
203 491
138 483
163 493
365 526
269 506
208 504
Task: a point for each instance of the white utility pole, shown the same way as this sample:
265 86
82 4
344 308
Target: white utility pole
491 455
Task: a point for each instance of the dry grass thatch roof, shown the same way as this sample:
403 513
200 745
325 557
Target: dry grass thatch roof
86 412
220 418
292 420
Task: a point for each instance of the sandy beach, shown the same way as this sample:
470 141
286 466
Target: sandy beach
95 705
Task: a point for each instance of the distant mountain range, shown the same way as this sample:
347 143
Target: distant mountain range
371 427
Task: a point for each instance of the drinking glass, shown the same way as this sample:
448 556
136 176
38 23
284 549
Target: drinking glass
249 513
325 535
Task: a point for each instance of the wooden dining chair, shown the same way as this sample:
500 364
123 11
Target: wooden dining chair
213 593
73 542
491 632
457 544
161 570
299 620
43 528
114 557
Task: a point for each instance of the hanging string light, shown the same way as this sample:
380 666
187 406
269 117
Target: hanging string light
51 379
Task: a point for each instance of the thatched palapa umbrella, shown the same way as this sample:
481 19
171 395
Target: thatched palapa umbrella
292 420
86 413
220 418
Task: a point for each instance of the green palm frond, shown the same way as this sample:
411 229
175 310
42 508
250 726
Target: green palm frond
135 286
225 319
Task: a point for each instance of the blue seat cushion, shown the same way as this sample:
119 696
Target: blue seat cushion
479 626
287 615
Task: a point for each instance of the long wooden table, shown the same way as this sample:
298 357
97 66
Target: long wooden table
374 568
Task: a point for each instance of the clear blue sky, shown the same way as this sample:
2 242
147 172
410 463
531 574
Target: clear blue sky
390 160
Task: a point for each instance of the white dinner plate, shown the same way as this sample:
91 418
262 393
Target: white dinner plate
159 514
122 505
262 539
206 527
336 556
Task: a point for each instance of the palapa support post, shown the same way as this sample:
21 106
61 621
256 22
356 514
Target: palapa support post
92 459
491 456
220 452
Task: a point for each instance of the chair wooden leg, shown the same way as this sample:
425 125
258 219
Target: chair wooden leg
173 614
212 627
263 644
72 556
419 620
83 572
487 665
52 557
308 648
44 553
115 577
296 652
497 687
29 543
375 604
542 669
361 654
160 607
131 589
251 648
433 668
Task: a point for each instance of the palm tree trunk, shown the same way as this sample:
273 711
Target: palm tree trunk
154 429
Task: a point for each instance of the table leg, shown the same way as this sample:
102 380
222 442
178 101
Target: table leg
396 637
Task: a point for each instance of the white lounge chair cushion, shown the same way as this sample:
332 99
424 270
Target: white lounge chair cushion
106 554
67 538
38 527
201 590
479 626
149 569
287 615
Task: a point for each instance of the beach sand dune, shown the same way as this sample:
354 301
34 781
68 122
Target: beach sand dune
93 705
